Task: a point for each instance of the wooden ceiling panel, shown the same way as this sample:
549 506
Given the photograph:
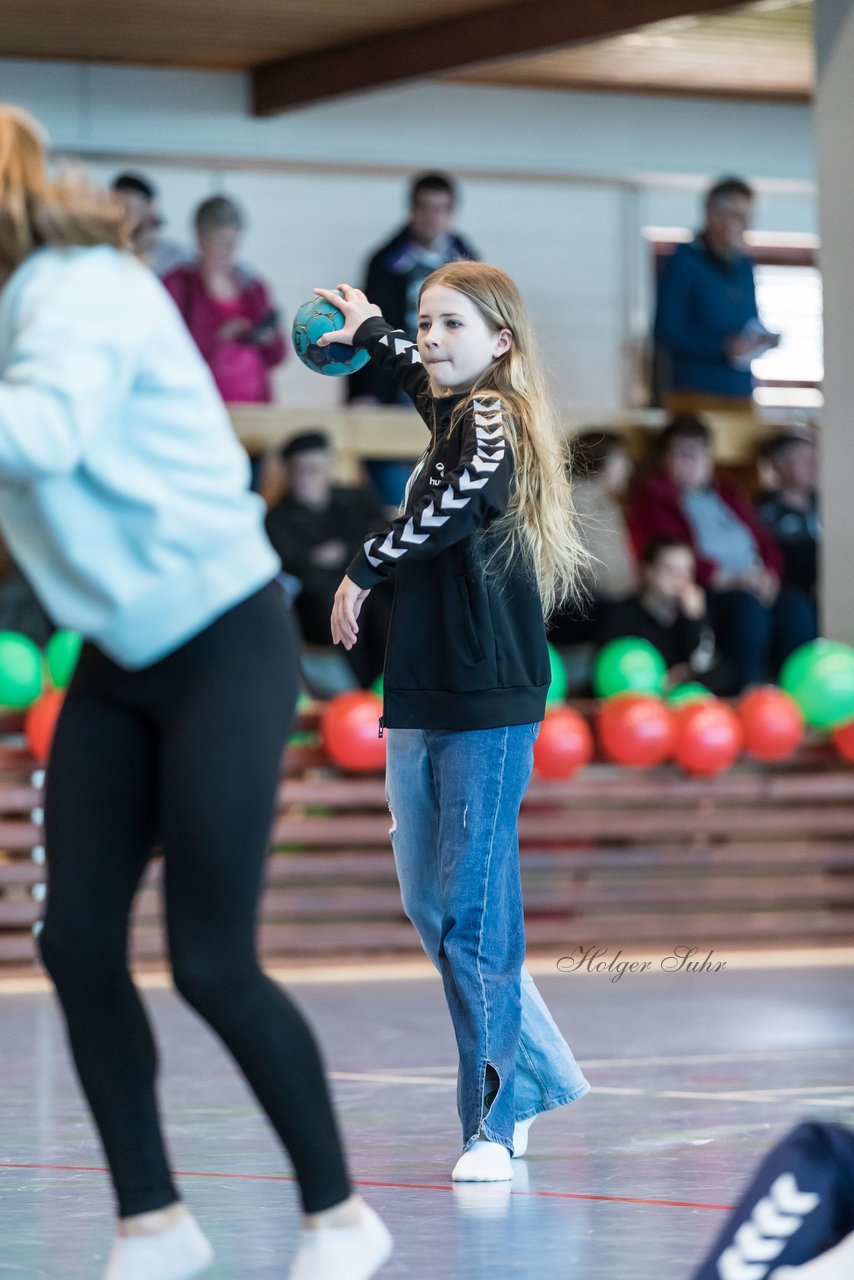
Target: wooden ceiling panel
308 50
763 50
226 34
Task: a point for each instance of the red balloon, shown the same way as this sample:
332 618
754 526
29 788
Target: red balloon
639 731
773 723
350 731
708 737
564 745
40 723
843 740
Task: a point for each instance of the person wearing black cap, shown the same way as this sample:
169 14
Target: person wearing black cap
316 528
139 196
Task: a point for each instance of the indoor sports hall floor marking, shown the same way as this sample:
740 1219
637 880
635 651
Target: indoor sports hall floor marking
395 1186
805 1095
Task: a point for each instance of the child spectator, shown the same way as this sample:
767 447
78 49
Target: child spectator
316 528
790 511
670 612
758 622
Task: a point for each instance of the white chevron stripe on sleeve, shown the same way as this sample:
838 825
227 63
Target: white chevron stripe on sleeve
480 464
449 502
372 560
430 520
466 482
409 535
389 549
483 434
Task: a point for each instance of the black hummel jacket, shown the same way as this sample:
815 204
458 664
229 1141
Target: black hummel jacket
466 648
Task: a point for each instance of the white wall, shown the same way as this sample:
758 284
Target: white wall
556 186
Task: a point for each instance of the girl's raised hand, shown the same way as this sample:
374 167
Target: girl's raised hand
356 309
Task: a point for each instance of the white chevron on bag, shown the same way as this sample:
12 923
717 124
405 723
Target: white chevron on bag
775 1218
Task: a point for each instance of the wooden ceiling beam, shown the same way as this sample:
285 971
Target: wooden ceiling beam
485 35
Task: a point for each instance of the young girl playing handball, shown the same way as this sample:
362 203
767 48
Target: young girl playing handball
485 547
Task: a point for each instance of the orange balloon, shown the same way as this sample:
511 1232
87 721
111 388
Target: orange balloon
773 723
350 731
637 730
709 737
40 723
564 745
843 740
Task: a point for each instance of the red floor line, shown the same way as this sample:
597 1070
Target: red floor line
399 1186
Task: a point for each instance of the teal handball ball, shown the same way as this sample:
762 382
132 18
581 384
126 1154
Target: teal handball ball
314 318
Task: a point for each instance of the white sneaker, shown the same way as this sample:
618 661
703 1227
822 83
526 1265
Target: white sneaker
483 1162
521 1132
181 1253
343 1253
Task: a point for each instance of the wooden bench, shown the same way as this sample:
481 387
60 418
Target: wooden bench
761 855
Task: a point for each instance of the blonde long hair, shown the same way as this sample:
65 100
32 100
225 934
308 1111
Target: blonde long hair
541 523
35 212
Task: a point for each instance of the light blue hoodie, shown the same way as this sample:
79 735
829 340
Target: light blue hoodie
123 489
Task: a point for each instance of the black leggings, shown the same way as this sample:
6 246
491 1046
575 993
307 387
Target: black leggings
186 752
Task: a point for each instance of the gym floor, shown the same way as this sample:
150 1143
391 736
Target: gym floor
694 1076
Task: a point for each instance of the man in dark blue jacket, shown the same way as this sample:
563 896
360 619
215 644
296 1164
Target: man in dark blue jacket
398 269
395 275
707 324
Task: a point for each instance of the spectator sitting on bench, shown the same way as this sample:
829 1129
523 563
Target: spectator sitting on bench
790 510
601 471
758 621
670 612
316 528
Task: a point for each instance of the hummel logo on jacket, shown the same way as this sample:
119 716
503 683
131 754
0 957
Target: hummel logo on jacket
466 649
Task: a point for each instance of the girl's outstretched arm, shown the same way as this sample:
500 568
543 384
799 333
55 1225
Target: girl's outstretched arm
390 348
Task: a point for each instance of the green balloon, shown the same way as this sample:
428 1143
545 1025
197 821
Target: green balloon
377 687
558 686
20 671
628 665
820 678
682 694
62 652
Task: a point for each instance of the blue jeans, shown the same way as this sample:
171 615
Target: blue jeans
454 799
756 639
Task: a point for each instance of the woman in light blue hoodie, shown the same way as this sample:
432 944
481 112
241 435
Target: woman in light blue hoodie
124 499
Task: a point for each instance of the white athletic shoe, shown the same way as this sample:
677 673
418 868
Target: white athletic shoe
483 1162
181 1253
521 1132
343 1253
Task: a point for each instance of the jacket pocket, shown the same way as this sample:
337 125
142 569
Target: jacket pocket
470 633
